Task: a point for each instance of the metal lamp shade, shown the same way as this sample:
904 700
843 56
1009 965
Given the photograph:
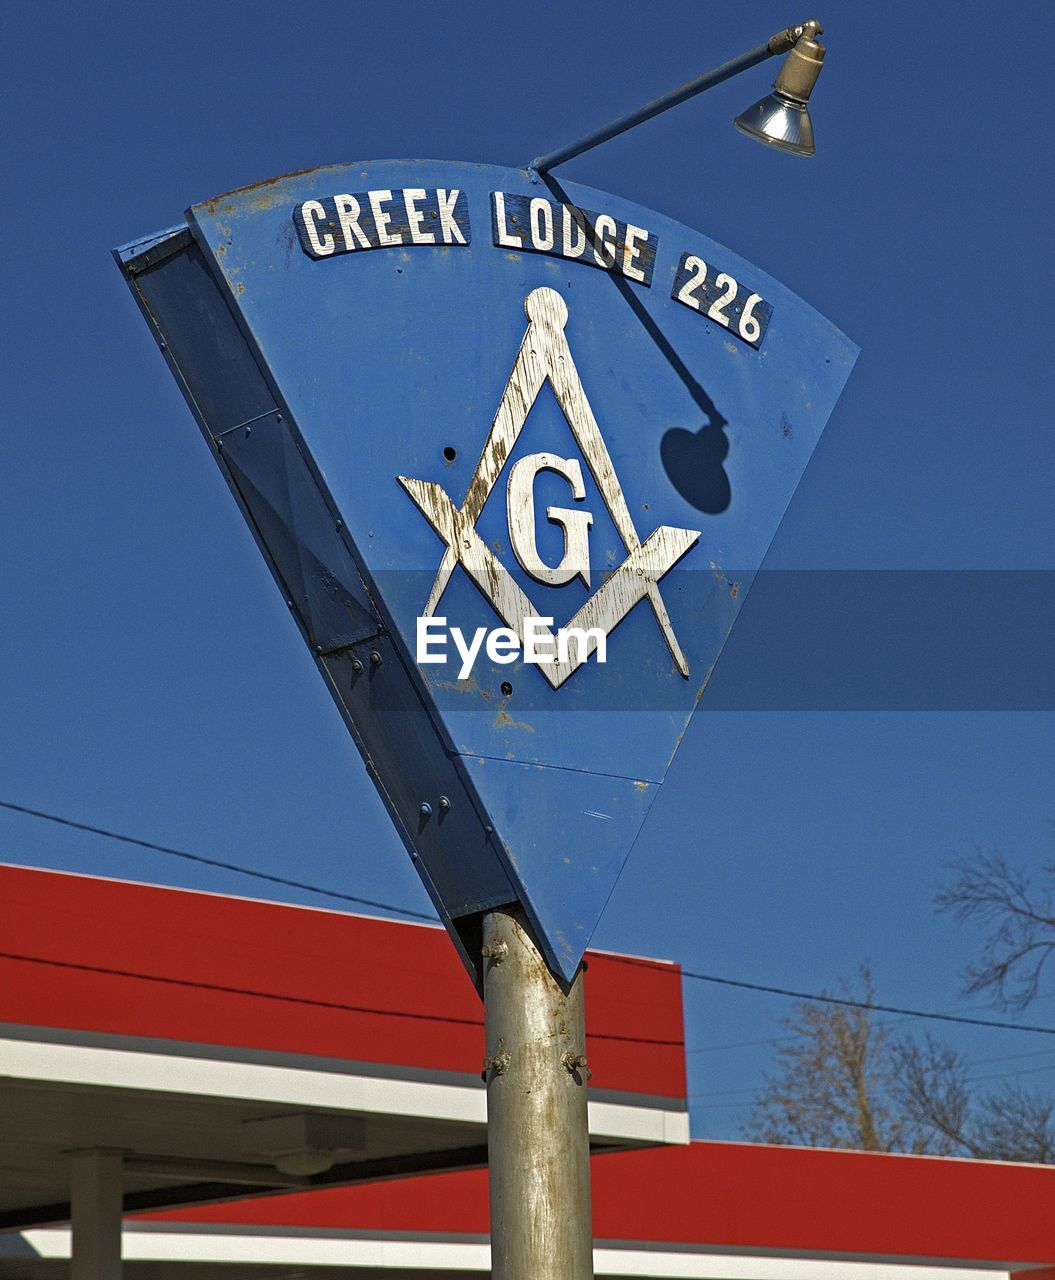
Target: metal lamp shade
779 121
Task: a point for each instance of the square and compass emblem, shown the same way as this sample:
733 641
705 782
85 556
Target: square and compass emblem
545 354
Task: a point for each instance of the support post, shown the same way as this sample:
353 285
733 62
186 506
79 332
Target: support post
537 1129
95 1215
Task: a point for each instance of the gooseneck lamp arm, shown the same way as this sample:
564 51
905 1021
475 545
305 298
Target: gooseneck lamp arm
782 42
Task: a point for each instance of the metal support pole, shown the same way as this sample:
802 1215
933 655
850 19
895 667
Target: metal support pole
95 1215
780 43
537 1130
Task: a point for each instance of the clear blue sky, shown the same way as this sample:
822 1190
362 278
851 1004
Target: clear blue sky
150 677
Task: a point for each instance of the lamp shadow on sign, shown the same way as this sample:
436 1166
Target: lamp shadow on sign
694 463
693 460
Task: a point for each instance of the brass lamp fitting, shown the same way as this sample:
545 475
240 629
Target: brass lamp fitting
785 40
801 68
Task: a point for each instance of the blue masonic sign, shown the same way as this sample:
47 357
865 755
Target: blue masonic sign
513 451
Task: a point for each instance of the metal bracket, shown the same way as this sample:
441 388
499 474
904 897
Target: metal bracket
780 43
499 1064
575 1064
785 40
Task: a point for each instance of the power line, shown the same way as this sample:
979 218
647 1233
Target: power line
309 1001
1005 1075
214 862
811 997
725 1106
1010 1057
846 1001
739 1044
753 1090
973 1063
756 1091
198 985
779 1040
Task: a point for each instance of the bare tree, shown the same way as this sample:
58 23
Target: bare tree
834 1084
842 1079
1018 916
933 1090
1007 1123
1017 1124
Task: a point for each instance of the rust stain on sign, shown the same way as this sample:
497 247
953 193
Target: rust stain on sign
265 194
505 721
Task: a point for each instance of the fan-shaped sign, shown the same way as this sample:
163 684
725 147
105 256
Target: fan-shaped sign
513 451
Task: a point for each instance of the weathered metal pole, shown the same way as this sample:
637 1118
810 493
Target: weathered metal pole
537 1131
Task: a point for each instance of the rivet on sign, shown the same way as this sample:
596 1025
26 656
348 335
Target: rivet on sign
163 346
318 648
425 809
375 658
357 666
340 525
445 805
278 417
